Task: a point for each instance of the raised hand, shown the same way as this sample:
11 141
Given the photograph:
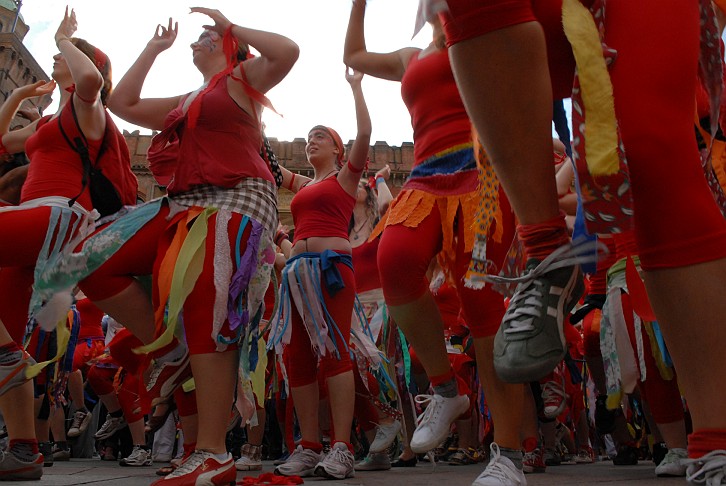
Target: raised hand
67 27
164 37
353 77
384 172
39 88
221 23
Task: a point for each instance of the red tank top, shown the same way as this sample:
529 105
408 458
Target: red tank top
55 168
223 148
322 210
365 265
438 116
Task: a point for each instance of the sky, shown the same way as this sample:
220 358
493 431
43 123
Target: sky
314 92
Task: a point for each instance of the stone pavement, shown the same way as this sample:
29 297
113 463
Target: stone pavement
94 471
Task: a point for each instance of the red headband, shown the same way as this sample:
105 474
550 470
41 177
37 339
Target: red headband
336 140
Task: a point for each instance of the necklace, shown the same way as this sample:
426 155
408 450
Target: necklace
357 230
325 176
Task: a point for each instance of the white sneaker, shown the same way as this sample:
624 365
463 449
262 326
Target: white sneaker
339 463
301 463
708 469
110 427
81 421
433 426
138 457
672 464
250 458
500 471
385 435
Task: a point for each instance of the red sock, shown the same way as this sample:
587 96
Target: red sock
188 449
313 446
441 379
529 444
541 239
703 441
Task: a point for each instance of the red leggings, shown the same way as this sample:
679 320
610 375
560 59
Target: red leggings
22 233
101 381
300 359
677 223
404 256
143 254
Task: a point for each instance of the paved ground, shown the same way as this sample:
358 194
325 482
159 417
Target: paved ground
89 471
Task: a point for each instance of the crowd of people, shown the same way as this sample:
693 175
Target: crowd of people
520 302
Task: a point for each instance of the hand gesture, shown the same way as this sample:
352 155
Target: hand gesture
164 37
354 78
67 27
39 88
384 172
221 23
31 114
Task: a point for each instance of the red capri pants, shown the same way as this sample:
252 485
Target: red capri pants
300 359
404 256
143 254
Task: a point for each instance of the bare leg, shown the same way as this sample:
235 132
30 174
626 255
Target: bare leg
75 388
255 434
57 424
427 340
306 400
506 401
341 393
19 419
215 376
504 82
132 308
691 315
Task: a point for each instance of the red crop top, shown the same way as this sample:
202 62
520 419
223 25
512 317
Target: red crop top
222 149
438 116
55 168
322 209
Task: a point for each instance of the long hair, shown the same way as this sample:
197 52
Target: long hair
371 209
101 61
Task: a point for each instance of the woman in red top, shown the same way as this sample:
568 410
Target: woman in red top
434 216
214 232
55 178
319 280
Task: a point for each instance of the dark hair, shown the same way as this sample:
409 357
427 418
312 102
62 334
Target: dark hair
100 60
243 52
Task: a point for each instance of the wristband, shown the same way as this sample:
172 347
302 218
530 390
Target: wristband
380 180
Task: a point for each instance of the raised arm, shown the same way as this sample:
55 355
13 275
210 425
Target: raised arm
389 66
14 141
126 101
384 197
352 170
277 56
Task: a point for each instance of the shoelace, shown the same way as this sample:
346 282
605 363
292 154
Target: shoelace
432 408
193 461
77 419
712 470
528 297
494 468
340 456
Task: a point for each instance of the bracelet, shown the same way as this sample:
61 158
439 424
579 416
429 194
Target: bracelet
380 180
280 237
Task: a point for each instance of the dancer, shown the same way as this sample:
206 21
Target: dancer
321 331
434 215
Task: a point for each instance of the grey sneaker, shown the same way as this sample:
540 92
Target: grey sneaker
13 469
708 469
60 454
672 464
81 421
531 340
500 471
250 458
385 435
434 424
339 463
110 427
374 461
14 375
302 462
139 456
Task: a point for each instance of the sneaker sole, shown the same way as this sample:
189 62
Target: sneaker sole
518 372
249 468
307 473
322 473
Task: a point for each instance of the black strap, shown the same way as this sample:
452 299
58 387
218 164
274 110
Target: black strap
80 147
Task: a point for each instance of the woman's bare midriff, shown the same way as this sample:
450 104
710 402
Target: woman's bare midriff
317 244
